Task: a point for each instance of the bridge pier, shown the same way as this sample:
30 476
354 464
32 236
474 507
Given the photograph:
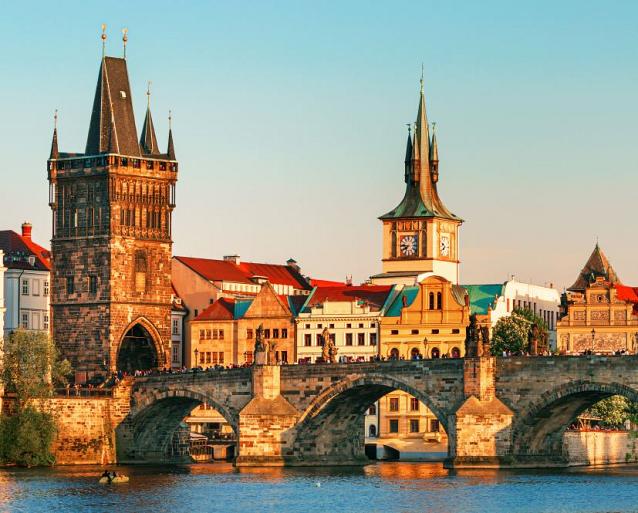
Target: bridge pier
480 431
266 429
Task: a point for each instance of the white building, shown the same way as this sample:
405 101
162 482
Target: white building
351 315
178 316
26 281
499 300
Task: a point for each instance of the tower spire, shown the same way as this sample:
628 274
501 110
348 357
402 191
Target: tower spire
103 40
170 152
408 155
148 140
54 143
124 39
434 155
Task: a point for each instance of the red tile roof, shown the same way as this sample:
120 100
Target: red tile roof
221 310
627 293
375 295
326 283
222 270
17 250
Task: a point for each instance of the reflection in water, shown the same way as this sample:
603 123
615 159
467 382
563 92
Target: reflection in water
383 487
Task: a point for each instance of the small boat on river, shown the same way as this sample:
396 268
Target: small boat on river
113 480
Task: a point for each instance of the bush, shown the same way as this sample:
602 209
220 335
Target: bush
26 437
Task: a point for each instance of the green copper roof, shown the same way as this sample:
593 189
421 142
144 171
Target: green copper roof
482 296
241 307
394 310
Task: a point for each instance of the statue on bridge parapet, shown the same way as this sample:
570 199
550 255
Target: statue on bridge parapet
260 353
477 339
329 351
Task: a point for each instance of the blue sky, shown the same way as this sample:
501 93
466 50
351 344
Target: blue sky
289 123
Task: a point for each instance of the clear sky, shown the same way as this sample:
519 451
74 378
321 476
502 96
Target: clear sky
289 123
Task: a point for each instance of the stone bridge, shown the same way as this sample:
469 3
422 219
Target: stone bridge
496 411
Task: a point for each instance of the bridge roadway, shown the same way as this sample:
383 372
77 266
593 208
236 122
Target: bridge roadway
496 411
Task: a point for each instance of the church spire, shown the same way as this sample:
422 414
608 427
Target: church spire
170 152
408 156
54 143
148 140
434 156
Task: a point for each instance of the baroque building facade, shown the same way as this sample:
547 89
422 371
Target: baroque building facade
112 207
600 314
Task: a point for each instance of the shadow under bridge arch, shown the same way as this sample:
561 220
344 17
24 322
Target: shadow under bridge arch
331 429
146 434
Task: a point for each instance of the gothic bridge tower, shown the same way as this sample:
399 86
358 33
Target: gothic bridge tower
111 246
420 235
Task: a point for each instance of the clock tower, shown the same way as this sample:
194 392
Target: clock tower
420 235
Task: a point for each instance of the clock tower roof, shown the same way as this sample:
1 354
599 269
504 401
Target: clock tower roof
421 198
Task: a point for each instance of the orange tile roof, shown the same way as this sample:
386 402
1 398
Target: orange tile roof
18 248
221 310
375 295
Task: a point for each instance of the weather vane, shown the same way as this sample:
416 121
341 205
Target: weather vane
170 119
55 119
103 39
148 94
124 39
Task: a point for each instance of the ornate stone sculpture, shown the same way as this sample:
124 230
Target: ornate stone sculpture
329 351
533 338
260 353
472 338
484 346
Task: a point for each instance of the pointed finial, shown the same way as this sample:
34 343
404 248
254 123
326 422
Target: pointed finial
103 39
124 39
421 78
409 125
170 119
433 127
55 119
148 94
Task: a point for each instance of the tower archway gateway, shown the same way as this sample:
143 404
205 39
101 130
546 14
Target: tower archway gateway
137 351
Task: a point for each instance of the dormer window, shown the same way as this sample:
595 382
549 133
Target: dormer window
123 95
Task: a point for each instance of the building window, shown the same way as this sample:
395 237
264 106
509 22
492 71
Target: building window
307 326
35 288
45 319
25 287
434 425
319 339
211 334
348 325
25 320
373 339
93 284
249 333
372 431
275 333
284 356
284 332
175 326
415 332
348 339
332 326
394 354
394 404
372 410
140 271
439 301
248 357
221 334
202 334
394 332
431 301
202 357
435 331
45 288
221 358
455 331
414 425
414 404
373 324
307 340
361 339
176 353
267 333
360 325
70 286
394 425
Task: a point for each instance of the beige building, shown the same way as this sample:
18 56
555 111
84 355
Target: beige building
600 314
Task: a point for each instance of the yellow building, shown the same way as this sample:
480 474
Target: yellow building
423 321
599 312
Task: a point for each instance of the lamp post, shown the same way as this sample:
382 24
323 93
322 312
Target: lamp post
593 339
195 362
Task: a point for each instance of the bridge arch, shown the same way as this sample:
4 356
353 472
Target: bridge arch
154 418
331 428
539 427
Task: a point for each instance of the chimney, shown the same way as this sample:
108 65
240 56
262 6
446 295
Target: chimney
234 259
26 230
291 262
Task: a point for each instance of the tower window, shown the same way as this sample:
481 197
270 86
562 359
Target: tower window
70 286
140 271
93 284
431 300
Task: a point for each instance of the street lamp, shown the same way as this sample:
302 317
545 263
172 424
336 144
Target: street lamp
593 339
195 362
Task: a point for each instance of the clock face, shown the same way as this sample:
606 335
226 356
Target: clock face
409 244
445 245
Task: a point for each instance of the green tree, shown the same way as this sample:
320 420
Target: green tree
612 411
30 369
512 333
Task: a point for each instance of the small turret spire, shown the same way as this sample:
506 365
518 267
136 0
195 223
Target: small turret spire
148 140
408 155
54 143
434 155
170 152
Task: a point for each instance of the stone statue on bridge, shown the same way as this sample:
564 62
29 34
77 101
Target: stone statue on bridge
472 346
329 351
260 353
533 340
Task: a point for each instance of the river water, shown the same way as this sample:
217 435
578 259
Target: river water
380 487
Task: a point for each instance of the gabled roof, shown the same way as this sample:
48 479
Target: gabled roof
223 270
112 127
221 310
597 266
374 295
482 296
17 250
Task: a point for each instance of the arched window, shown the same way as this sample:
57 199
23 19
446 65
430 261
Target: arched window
435 352
439 304
394 353
431 300
141 268
372 410
456 352
415 354
372 431
394 244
